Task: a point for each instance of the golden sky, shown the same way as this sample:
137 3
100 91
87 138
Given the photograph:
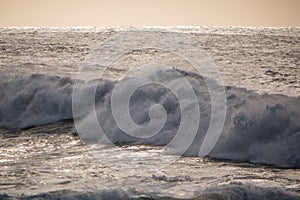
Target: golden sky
149 12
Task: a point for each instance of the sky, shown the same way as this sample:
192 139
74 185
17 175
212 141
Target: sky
271 13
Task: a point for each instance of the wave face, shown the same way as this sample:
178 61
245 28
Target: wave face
258 128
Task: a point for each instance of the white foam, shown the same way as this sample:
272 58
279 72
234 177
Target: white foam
258 128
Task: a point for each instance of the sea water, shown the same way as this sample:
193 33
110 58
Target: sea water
43 156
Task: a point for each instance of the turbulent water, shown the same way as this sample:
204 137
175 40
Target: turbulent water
256 157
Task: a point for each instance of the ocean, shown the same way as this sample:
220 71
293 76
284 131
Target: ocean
149 113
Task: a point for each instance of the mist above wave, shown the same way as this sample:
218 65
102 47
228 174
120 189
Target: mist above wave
258 128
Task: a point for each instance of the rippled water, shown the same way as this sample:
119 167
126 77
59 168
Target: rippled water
260 59
50 158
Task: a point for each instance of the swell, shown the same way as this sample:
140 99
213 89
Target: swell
258 128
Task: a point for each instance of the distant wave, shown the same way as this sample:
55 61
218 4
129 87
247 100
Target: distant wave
258 128
231 191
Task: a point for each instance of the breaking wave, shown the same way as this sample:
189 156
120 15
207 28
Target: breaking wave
231 191
258 128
